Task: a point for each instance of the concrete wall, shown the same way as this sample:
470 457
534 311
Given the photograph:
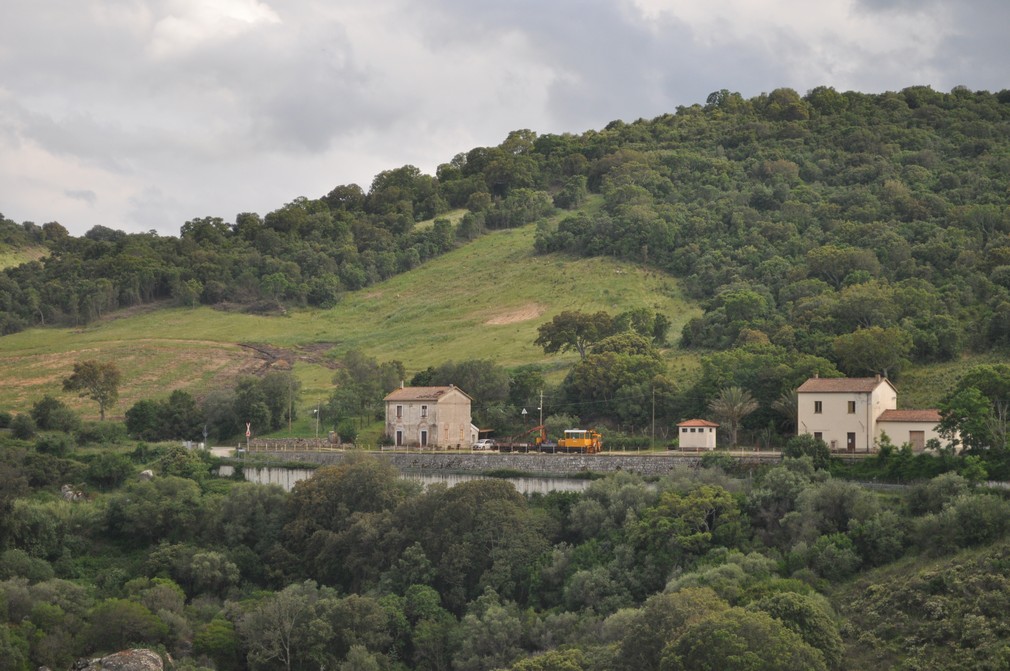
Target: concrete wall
535 464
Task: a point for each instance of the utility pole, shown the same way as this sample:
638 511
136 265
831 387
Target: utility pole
541 408
652 443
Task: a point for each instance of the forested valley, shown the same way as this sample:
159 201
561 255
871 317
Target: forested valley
356 568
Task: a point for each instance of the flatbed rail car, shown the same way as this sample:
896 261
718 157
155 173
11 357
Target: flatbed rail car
533 440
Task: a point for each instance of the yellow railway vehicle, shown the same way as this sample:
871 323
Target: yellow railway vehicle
581 441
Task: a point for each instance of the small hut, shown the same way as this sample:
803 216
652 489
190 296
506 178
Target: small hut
697 434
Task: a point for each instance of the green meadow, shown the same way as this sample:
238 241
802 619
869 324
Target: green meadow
484 300
14 257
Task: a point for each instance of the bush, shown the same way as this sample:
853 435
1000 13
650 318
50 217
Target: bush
52 414
718 460
626 443
109 470
833 557
932 496
117 624
807 446
19 564
5 419
809 618
101 433
968 520
46 470
23 427
56 444
348 431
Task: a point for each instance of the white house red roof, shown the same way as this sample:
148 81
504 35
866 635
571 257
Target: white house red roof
698 422
931 415
859 385
421 393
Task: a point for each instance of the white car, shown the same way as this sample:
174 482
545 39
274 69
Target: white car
484 444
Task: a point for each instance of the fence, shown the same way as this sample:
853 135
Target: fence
292 445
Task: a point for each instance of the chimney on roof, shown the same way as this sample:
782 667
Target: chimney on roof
401 384
878 377
816 375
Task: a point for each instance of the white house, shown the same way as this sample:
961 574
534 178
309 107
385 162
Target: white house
909 426
697 434
850 414
429 417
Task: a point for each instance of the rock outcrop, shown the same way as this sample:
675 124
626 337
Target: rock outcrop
138 659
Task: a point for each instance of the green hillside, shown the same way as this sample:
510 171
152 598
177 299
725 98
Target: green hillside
15 256
827 233
942 613
483 300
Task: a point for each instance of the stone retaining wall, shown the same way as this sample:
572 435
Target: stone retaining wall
534 464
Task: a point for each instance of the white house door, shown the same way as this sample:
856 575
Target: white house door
850 442
918 440
399 438
424 438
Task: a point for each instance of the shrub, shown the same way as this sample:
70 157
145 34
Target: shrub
627 443
52 414
101 433
23 427
807 446
56 444
809 618
117 624
19 564
968 520
5 419
348 431
932 496
109 470
833 557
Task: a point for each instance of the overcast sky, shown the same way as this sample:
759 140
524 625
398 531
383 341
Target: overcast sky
143 114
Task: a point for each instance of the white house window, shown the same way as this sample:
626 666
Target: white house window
399 412
852 407
424 411
818 407
683 429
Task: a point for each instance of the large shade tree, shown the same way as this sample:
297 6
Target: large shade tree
97 380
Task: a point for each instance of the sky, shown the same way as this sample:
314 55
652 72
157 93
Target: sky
140 115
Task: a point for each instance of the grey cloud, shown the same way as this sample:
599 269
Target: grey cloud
83 195
224 121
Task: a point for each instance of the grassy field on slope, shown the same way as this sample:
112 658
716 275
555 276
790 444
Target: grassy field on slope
10 257
484 300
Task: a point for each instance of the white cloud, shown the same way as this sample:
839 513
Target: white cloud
190 24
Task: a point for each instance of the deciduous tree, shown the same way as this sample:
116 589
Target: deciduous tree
97 380
874 350
573 330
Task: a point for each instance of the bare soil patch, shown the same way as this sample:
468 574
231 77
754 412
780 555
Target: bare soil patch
525 313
